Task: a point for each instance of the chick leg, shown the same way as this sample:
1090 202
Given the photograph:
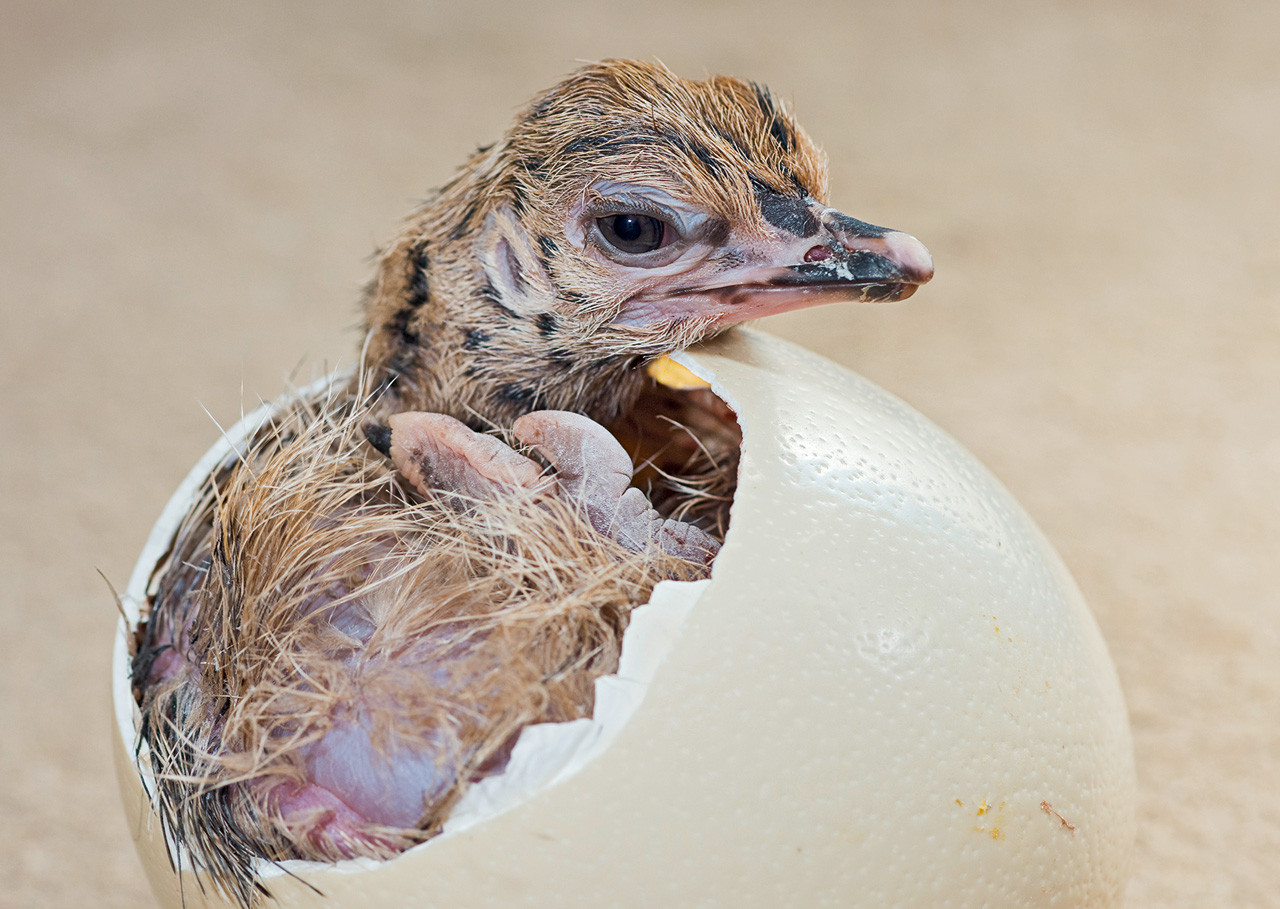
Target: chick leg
437 453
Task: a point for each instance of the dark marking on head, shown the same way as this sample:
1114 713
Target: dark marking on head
475 338
715 167
519 204
794 180
586 144
419 282
627 141
734 141
521 396
621 140
561 356
781 131
548 250
764 100
547 325
577 298
846 224
403 362
399 324
378 435
463 227
786 212
692 148
491 296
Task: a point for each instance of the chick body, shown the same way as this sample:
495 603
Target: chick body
339 645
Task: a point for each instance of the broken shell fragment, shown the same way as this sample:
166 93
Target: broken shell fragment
890 691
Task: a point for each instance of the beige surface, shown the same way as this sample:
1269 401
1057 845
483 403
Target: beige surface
188 198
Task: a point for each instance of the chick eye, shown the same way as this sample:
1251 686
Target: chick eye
632 234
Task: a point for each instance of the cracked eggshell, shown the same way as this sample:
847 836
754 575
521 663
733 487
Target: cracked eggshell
889 693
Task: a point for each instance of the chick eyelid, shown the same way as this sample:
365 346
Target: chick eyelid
605 206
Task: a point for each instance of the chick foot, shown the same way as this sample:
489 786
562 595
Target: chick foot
594 469
437 453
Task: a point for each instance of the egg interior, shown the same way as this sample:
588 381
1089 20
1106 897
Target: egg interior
890 691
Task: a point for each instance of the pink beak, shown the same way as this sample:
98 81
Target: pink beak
829 257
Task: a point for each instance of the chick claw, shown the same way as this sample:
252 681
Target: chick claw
436 452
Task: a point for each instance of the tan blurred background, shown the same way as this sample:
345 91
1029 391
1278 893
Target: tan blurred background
190 195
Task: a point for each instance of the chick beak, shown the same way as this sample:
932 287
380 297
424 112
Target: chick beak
824 257
842 259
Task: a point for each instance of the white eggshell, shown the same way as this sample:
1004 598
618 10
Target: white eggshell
889 693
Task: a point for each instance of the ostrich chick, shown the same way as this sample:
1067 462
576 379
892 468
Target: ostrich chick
345 636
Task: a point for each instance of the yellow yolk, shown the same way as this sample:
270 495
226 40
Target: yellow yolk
666 371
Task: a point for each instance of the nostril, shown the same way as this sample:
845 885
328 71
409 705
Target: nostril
817 254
